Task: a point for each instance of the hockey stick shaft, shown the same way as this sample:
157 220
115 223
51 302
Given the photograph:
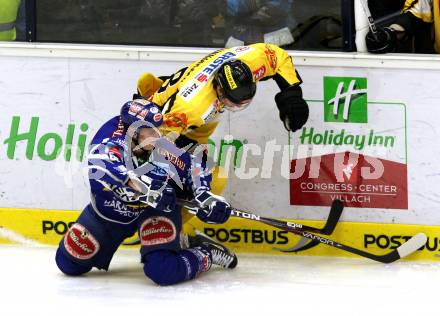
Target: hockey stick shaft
370 19
333 218
334 215
403 250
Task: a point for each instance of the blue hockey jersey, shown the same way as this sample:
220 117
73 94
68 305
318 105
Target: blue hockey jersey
112 164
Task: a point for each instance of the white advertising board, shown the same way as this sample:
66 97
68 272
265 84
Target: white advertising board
371 139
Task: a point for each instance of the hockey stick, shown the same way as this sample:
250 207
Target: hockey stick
370 19
402 251
332 220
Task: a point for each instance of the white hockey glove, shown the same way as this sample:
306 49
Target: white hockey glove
155 193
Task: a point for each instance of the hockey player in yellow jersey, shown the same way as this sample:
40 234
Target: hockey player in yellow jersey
193 98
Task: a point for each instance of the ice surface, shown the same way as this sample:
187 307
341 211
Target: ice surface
261 285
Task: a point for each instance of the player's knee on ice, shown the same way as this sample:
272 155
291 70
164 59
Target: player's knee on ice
165 267
69 267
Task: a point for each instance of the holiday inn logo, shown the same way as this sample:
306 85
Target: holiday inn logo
354 149
345 100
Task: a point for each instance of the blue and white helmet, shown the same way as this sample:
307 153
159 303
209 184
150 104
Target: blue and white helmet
141 110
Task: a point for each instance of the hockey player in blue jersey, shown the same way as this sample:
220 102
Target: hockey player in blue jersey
135 176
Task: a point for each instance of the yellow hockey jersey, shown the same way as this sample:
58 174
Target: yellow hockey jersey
188 99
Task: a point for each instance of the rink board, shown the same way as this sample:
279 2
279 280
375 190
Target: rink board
46 227
55 97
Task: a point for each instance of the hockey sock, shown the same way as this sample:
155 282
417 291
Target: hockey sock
197 260
166 267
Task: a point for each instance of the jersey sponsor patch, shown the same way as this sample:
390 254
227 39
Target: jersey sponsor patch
119 141
242 49
157 230
271 57
259 73
231 82
176 120
211 112
80 243
201 78
171 158
137 110
114 154
124 209
190 89
119 130
157 117
216 63
160 170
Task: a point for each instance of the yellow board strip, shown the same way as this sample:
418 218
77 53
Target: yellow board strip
34 226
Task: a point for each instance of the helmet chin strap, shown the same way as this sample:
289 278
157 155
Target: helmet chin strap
220 102
220 97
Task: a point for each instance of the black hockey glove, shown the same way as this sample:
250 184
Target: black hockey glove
213 208
294 110
386 41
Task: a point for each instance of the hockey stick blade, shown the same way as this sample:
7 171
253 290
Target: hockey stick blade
300 246
333 217
303 244
412 245
415 243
